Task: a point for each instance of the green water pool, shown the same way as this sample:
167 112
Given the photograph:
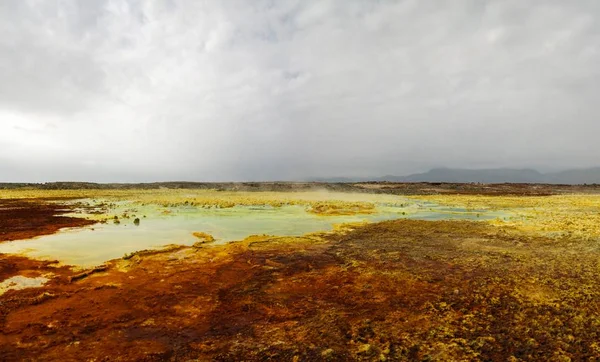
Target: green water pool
160 226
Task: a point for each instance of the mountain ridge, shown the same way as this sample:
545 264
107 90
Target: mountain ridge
488 175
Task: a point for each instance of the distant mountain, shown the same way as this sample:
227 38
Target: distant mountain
576 176
339 179
492 175
495 175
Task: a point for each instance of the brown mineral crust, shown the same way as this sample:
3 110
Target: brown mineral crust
11 265
24 219
399 290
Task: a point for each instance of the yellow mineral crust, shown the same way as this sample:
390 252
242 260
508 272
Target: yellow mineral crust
574 217
204 237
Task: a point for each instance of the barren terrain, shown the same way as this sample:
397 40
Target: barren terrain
519 289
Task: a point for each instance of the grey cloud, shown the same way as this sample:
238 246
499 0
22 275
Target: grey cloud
46 65
221 90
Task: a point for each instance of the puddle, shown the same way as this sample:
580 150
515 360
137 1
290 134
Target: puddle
20 282
160 226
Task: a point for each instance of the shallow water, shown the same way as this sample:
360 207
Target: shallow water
162 226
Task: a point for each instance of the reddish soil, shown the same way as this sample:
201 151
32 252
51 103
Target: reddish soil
24 219
11 265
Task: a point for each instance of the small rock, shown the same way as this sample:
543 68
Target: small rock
136 222
204 237
365 349
149 322
327 353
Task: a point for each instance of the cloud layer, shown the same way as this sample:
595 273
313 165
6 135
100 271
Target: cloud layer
264 90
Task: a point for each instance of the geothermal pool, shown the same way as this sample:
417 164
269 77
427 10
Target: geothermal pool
160 226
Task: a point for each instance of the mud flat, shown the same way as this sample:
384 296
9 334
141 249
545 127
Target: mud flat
519 289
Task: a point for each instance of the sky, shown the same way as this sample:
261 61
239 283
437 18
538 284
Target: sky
133 91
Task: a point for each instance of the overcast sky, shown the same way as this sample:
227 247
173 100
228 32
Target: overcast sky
263 90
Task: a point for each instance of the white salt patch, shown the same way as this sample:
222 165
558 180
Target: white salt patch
21 282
